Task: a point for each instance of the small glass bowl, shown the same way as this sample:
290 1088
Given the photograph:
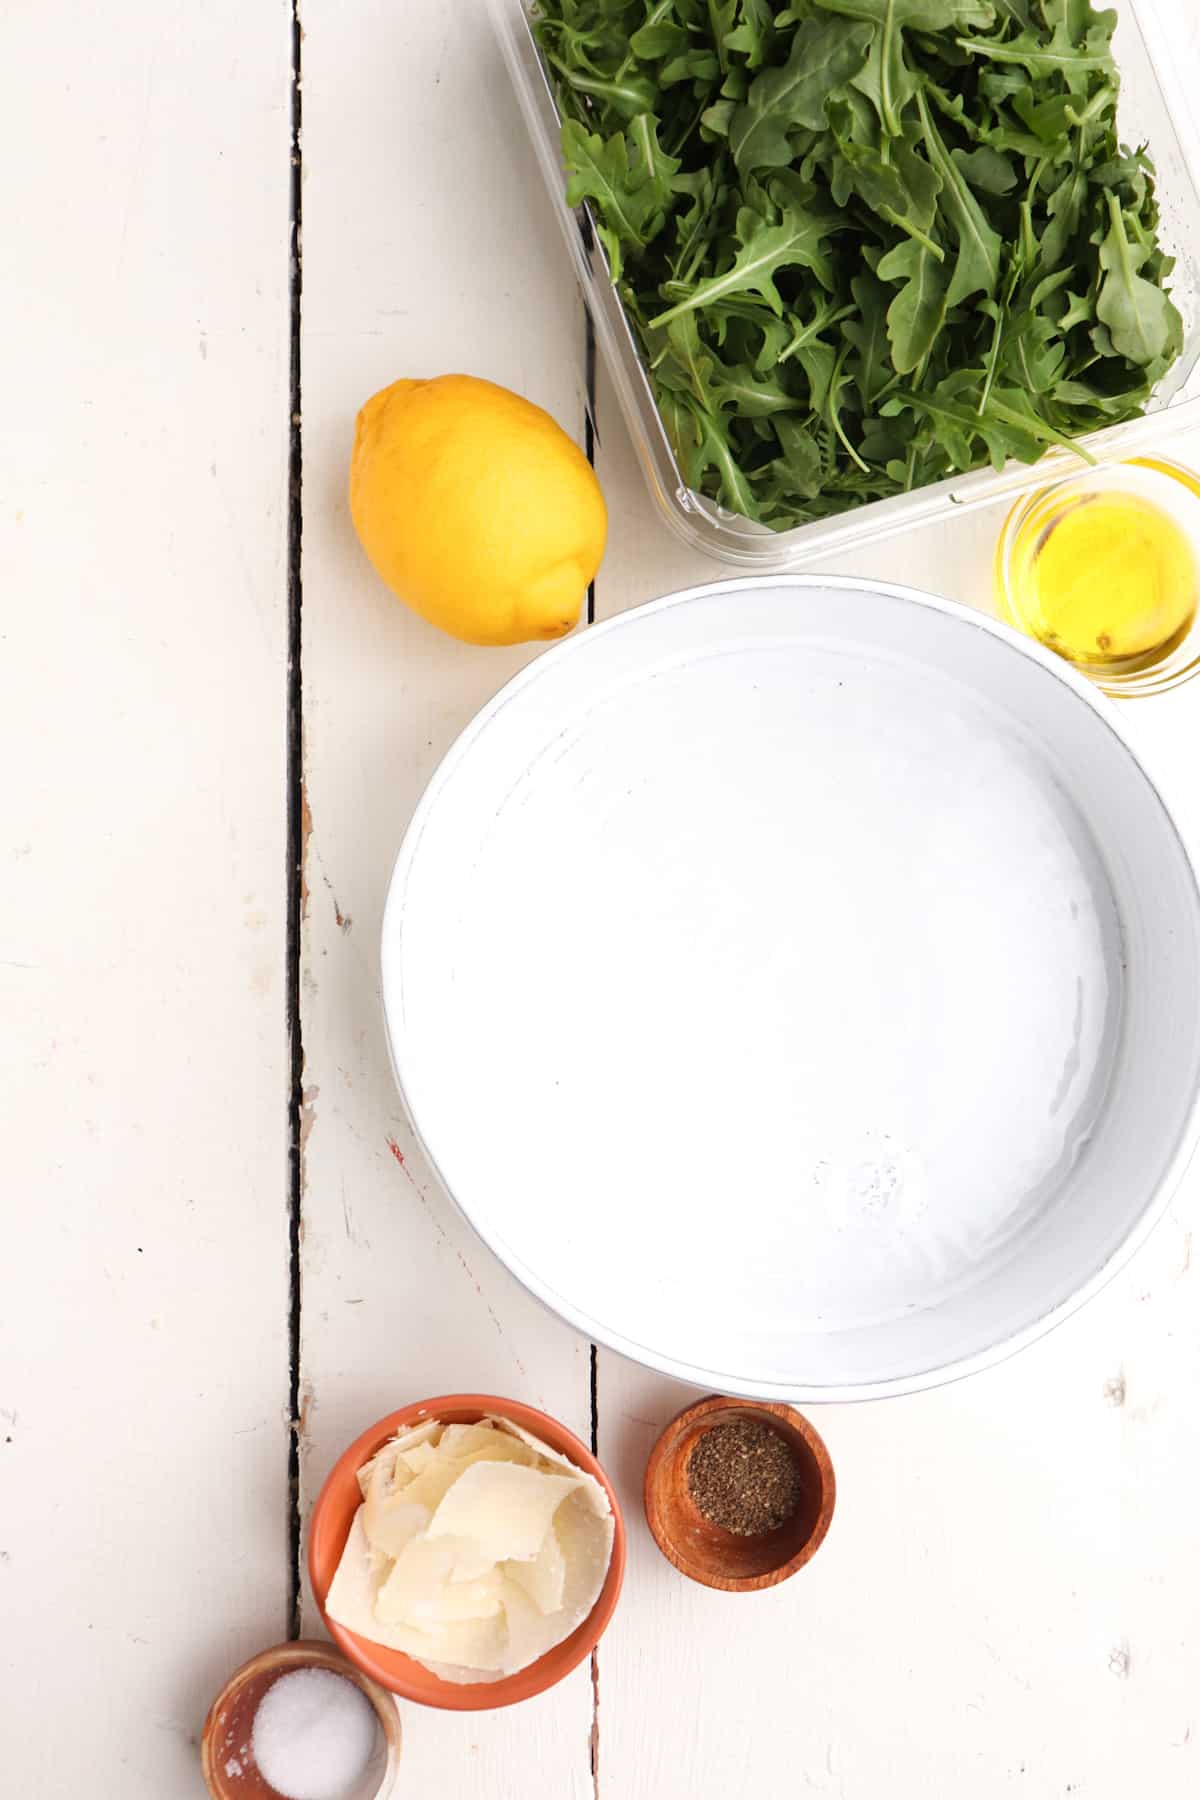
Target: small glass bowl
1171 488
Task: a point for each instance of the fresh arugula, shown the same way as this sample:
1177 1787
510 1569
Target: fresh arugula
824 55
865 244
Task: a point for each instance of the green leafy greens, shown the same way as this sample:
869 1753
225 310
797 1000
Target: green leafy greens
865 244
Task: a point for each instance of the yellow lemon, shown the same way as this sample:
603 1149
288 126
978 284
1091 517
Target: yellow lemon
476 508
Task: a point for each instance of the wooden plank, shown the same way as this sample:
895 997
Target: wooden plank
1000 1597
143 1328
428 247
1000 1604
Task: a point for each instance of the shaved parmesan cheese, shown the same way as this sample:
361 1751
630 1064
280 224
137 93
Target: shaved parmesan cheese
392 1514
466 1643
530 1633
385 1465
502 1507
418 1458
431 1486
586 1537
544 1454
460 1440
351 1596
501 1449
392 1527
428 1431
469 1560
542 1579
476 1549
419 1589
475 1643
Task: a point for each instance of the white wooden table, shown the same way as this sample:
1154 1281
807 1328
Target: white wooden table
1008 1602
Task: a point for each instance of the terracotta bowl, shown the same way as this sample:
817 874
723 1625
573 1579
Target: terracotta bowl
230 1771
708 1553
339 1500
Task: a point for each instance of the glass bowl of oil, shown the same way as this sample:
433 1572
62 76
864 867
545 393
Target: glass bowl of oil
1103 567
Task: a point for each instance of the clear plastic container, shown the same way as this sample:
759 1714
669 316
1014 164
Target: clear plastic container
1145 117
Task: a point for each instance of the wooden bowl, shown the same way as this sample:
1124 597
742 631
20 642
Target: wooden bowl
228 1764
338 1502
708 1553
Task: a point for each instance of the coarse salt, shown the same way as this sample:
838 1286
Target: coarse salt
314 1734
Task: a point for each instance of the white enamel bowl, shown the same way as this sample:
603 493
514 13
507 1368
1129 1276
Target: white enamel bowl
794 983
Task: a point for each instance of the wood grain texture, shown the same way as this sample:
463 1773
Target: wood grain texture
428 248
143 1352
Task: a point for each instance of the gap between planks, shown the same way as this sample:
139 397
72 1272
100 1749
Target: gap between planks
589 444
296 833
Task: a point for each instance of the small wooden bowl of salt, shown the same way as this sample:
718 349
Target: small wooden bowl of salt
299 1722
739 1493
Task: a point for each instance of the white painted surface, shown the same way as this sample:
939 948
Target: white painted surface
1006 1603
426 249
143 1056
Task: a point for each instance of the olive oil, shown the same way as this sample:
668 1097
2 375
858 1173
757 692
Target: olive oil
1104 571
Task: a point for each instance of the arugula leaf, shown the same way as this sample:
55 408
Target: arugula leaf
886 79
909 205
773 336
818 361
716 384
1140 318
751 36
799 470
1030 347
868 335
633 207
628 94
1014 408
823 57
837 382
718 117
701 445
1106 408
826 315
1007 425
722 16
979 247
750 397
660 38
765 249
915 15
1081 310
651 161
698 225
918 312
1064 216
690 358
1060 56
985 169
703 68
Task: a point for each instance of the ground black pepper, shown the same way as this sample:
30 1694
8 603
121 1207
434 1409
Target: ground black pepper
744 1477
